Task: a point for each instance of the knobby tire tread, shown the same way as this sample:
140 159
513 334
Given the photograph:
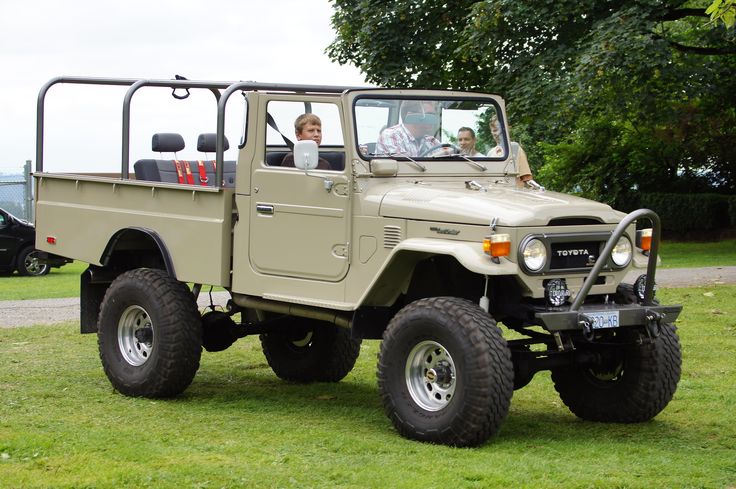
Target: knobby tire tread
489 385
178 343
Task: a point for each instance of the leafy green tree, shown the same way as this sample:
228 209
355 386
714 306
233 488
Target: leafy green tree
723 10
606 96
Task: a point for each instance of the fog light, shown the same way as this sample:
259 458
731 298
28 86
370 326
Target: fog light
556 292
639 286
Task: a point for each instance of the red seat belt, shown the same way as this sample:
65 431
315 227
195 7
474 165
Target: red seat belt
190 177
202 172
179 173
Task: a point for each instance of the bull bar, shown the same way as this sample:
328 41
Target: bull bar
648 313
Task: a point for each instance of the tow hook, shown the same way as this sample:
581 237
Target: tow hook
587 325
653 323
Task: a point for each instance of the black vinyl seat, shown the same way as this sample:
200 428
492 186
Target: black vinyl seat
200 172
336 159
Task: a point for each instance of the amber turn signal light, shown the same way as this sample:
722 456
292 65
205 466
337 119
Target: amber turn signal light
644 239
497 245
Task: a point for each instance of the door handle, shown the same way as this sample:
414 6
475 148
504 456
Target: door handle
264 209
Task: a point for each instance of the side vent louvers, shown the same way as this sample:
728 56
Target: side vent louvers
391 236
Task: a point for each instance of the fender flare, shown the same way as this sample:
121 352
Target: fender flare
469 255
153 235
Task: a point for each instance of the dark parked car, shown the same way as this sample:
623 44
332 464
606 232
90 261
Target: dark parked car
18 251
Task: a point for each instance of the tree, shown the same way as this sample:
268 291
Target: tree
723 10
630 94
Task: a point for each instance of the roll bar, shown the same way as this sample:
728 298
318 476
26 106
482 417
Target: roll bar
135 84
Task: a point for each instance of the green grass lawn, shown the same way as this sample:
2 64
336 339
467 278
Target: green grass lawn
238 425
689 254
60 282
64 281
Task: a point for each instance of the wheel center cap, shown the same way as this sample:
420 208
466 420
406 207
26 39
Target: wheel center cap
144 335
431 375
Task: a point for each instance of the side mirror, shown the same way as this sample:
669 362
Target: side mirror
384 167
306 155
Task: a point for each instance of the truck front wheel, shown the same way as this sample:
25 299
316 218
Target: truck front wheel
633 384
149 334
311 351
445 372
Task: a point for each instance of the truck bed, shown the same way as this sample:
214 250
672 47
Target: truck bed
78 215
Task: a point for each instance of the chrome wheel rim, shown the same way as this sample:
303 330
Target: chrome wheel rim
135 335
430 375
33 266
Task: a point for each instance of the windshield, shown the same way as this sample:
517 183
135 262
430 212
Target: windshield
416 128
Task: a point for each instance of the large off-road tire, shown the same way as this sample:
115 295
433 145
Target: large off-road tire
149 334
445 372
636 383
29 265
312 351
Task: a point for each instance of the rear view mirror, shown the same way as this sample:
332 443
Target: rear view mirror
306 155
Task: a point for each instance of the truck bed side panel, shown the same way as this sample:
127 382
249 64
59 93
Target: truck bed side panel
83 213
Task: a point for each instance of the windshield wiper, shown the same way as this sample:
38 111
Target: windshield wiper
479 166
419 165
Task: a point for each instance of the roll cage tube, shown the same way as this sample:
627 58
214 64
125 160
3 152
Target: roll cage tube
135 84
241 86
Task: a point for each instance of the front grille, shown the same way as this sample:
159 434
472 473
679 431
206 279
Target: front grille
568 252
574 255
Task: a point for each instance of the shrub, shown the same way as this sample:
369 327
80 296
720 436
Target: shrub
690 212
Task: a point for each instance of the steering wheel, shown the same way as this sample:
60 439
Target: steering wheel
438 146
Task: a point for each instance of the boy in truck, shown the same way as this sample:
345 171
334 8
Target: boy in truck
307 126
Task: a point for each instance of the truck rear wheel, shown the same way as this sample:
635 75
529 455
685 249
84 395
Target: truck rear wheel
445 372
149 334
632 386
312 351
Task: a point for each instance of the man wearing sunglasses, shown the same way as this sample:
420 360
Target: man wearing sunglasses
414 135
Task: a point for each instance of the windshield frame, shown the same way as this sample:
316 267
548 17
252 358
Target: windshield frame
393 119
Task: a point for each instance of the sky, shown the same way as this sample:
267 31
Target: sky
279 41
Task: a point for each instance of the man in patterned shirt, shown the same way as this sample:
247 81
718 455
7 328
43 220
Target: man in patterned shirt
413 135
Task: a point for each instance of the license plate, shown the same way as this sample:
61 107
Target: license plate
604 319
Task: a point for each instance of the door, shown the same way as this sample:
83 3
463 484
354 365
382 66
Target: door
299 222
8 241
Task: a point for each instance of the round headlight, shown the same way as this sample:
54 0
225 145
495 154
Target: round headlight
534 254
621 254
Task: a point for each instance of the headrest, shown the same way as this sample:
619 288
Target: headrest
207 143
164 142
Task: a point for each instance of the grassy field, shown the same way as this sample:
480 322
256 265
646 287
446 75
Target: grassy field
686 255
60 282
62 425
64 282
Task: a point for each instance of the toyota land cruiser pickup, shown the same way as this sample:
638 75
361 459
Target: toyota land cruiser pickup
423 247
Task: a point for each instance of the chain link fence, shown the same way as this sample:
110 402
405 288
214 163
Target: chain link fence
16 191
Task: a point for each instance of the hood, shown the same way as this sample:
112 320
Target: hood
511 205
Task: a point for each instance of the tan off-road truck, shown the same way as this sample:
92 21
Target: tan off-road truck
385 231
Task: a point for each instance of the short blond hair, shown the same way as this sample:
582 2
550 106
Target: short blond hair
305 119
